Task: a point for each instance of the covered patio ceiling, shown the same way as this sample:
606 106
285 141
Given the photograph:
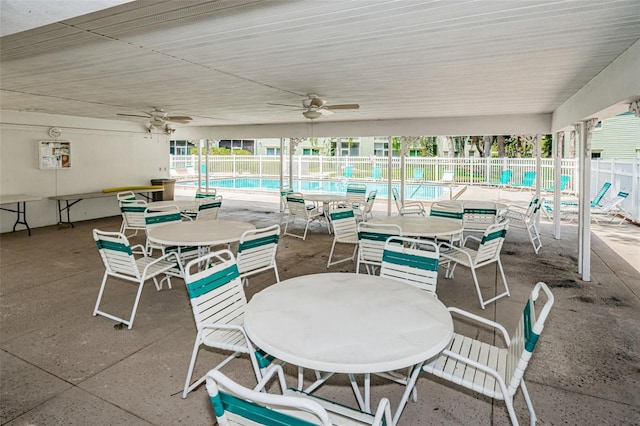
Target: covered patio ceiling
414 67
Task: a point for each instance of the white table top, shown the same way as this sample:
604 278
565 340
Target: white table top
470 203
183 205
348 323
419 226
199 232
325 197
18 198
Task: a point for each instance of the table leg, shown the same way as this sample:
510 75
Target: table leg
411 382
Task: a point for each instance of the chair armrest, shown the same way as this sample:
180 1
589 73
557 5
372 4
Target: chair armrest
139 247
186 216
482 321
164 257
471 237
452 247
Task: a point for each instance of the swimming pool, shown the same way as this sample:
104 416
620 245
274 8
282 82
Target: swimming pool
412 190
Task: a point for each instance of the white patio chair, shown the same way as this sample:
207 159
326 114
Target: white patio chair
208 207
206 193
161 216
490 370
365 212
487 253
218 303
371 240
234 404
527 219
345 231
408 207
412 261
125 196
478 215
119 262
257 252
449 211
132 216
284 207
298 208
356 195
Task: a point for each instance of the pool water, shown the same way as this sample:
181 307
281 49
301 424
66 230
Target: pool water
412 190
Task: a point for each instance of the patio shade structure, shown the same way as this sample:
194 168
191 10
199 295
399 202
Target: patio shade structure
242 69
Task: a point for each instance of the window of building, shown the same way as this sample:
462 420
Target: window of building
311 151
180 147
246 144
273 151
381 149
596 154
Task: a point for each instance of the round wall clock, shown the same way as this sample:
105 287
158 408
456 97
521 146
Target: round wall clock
55 132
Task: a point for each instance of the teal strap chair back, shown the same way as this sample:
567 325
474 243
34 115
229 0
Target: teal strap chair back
505 176
600 195
418 174
376 172
348 172
371 241
446 211
206 193
411 261
356 194
257 251
208 208
491 242
234 404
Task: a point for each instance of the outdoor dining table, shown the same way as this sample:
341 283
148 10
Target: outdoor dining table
351 324
326 198
183 205
463 203
423 227
199 233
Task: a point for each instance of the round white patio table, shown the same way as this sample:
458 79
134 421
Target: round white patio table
183 205
349 323
199 232
425 227
470 203
326 198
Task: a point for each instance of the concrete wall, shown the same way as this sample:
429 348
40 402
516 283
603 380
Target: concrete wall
105 154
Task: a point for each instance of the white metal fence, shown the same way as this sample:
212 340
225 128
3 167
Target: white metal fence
623 174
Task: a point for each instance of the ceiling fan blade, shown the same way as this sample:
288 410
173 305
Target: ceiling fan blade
343 106
285 105
178 118
179 121
134 115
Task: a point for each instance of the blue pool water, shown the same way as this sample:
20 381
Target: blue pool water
412 190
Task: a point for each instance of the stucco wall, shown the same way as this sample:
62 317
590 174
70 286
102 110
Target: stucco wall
105 154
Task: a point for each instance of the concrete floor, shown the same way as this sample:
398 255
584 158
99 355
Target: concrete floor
61 365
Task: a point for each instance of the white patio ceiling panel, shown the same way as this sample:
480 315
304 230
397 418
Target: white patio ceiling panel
224 63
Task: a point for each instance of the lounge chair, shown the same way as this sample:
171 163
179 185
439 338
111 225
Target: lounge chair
611 210
347 172
418 174
572 204
528 181
447 176
564 182
376 173
505 178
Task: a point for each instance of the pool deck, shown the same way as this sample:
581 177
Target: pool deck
60 365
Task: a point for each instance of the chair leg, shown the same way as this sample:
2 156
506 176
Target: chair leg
475 282
333 246
135 305
527 398
102 286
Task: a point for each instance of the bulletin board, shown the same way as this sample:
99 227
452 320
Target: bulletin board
53 155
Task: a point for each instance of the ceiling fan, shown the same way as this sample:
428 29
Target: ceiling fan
159 117
315 107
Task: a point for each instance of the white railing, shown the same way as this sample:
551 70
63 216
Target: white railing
623 174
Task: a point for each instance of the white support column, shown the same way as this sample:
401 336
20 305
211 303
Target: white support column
389 174
538 172
293 143
403 151
557 170
281 163
584 228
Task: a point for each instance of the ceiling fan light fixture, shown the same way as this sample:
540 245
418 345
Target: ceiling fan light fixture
312 115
